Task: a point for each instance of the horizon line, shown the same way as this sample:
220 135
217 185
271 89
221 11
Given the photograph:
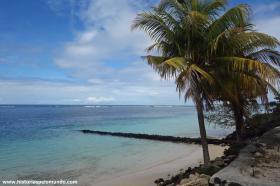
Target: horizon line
93 105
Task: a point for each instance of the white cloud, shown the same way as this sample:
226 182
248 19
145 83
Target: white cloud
104 59
107 36
267 18
87 36
26 91
100 99
80 50
95 81
268 7
107 55
269 26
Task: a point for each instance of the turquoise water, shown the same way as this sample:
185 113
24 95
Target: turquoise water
42 142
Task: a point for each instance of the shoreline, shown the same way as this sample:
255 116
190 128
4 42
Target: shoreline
145 176
257 163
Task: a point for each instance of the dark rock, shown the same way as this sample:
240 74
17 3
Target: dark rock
234 184
260 150
251 148
231 157
224 182
208 169
217 180
227 161
157 137
159 181
166 182
219 162
234 149
176 179
188 171
258 155
270 147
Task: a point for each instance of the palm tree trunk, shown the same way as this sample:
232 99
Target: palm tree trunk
203 137
239 122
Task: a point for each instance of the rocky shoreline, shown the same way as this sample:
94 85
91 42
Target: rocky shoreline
255 163
262 143
200 175
258 164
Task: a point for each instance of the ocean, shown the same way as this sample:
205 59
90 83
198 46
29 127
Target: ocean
43 142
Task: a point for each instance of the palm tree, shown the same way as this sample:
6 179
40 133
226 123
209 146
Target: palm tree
240 97
188 36
242 44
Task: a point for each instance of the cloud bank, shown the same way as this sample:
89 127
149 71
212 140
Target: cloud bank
101 63
106 54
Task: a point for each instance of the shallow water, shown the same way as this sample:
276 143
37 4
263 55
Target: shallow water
42 142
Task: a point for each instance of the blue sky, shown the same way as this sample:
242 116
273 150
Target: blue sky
83 52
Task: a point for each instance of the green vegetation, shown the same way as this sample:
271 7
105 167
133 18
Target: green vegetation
212 54
258 118
223 115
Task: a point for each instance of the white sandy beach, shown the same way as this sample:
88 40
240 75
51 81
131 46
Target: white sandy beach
168 164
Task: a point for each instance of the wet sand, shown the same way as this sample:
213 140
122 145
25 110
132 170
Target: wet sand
169 164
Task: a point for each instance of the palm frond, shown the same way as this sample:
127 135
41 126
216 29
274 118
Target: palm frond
212 8
248 42
267 56
235 17
153 24
174 7
239 64
211 56
166 68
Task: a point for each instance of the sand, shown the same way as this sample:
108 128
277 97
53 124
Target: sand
170 165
